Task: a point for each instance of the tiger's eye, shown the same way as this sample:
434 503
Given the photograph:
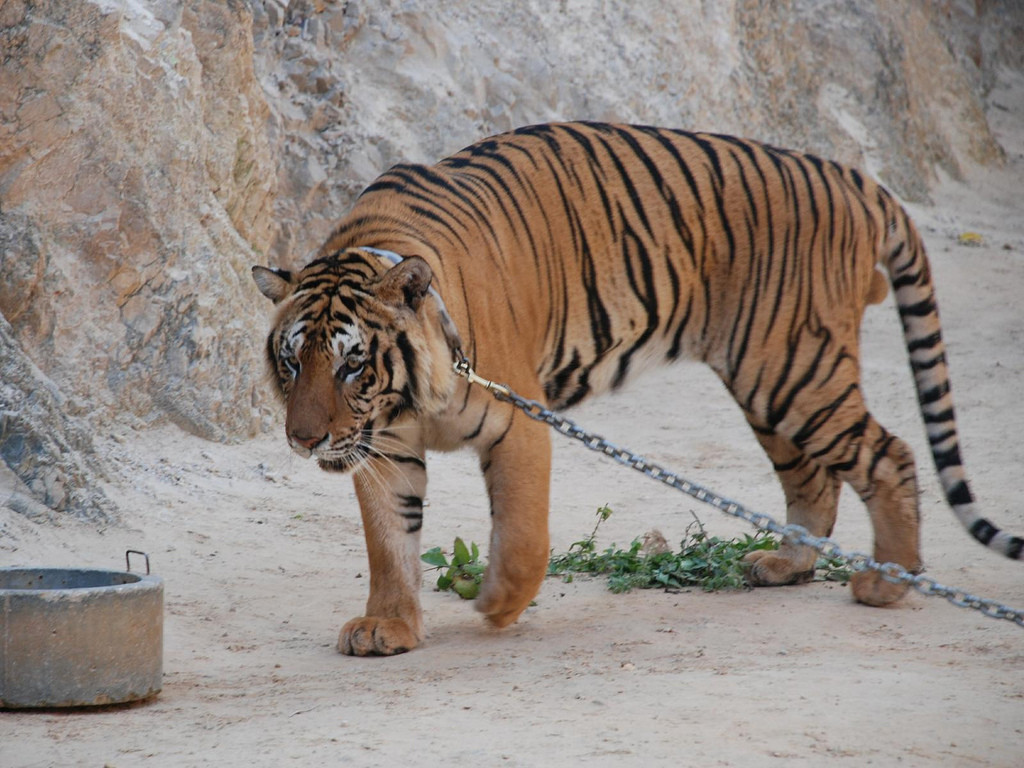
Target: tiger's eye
351 367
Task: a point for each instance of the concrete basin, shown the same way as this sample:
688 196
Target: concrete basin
79 637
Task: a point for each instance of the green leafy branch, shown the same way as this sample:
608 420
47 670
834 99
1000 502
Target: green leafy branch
463 574
704 561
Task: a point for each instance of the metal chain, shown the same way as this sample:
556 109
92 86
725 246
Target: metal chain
797 534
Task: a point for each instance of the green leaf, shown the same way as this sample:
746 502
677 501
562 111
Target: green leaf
434 557
461 554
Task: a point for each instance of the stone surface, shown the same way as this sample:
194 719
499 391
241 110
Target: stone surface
150 152
47 462
136 180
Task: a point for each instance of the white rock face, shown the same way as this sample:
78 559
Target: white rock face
150 152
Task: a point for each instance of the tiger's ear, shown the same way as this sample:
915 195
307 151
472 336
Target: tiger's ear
275 284
405 283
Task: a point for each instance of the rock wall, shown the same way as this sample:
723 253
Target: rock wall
47 462
150 151
895 87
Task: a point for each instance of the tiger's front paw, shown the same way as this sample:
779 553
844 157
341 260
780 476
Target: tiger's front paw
375 636
506 593
501 608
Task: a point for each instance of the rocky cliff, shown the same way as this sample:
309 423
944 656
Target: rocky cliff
151 151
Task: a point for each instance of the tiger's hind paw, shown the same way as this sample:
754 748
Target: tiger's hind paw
871 588
375 636
773 568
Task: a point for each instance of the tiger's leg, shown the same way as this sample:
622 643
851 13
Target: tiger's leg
880 468
517 470
812 500
885 478
390 493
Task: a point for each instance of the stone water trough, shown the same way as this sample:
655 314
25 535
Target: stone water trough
79 637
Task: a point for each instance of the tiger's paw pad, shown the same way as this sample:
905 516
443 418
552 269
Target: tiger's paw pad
870 588
374 636
772 569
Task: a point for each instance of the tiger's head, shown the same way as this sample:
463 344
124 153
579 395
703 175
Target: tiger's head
356 346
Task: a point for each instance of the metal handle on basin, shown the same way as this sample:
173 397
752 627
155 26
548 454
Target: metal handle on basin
128 559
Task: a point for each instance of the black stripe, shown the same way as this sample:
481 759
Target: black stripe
500 438
781 258
414 521
641 206
596 168
984 531
942 436
668 141
525 226
948 458
718 185
625 182
925 342
401 458
677 337
600 321
396 410
555 386
881 451
454 237
904 281
853 432
684 168
479 427
922 308
431 189
933 395
959 495
413 512
927 364
432 182
786 466
777 412
409 362
822 416
646 294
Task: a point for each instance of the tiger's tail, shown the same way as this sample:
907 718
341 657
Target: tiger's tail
909 272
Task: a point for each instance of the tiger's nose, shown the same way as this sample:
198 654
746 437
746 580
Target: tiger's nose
304 445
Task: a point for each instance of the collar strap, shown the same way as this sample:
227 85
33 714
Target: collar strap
395 259
391 256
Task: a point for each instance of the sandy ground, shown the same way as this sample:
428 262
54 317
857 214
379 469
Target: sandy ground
263 561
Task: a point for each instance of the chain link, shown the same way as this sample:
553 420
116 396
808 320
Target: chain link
796 534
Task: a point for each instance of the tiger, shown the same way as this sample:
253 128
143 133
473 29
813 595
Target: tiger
563 259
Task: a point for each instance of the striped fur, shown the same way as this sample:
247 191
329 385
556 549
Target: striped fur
570 257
